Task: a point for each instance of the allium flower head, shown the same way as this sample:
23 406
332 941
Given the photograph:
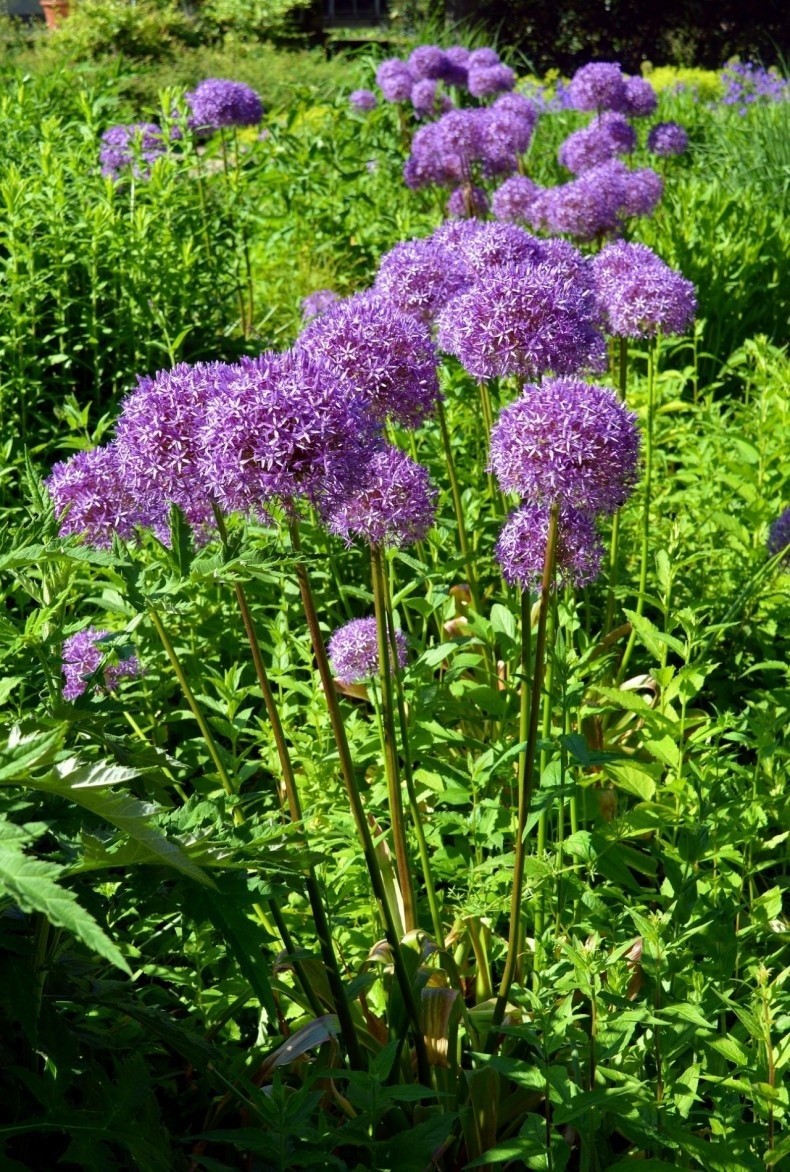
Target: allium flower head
364 100
495 245
93 501
394 504
395 79
354 651
640 294
444 152
513 118
427 61
640 98
372 349
779 535
420 277
284 429
131 148
643 191
423 97
467 202
597 202
316 304
597 86
521 548
606 137
82 654
567 441
217 103
512 198
668 138
455 70
482 59
483 81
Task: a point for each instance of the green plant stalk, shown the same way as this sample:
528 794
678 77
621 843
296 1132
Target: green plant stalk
614 561
231 214
543 819
528 724
357 809
463 543
245 244
488 423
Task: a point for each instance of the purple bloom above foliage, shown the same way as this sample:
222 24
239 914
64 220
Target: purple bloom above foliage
354 651
423 97
494 245
606 137
640 98
482 59
643 191
483 81
92 500
316 304
597 202
467 202
521 548
371 348
779 535
395 79
394 504
420 277
746 83
364 100
567 441
427 61
131 148
668 138
217 103
455 66
512 198
598 86
82 654
640 294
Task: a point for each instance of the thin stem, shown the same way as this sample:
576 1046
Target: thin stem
463 543
245 243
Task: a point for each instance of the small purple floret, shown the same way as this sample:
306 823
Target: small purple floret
606 137
92 500
779 535
131 148
512 199
82 654
395 79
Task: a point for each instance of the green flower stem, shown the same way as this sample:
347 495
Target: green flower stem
463 543
488 423
390 751
651 413
245 243
357 809
528 731
232 218
543 820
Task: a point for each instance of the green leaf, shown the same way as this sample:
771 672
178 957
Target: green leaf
632 777
651 637
503 621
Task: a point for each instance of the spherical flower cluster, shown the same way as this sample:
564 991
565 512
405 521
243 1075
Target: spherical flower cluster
521 548
489 246
317 303
779 535
596 203
598 86
668 138
420 277
467 202
217 103
483 81
449 151
639 294
512 199
456 62
354 651
640 98
570 442
643 191
395 79
131 148
394 505
423 97
427 62
92 501
364 100
607 136
484 58
82 655
370 348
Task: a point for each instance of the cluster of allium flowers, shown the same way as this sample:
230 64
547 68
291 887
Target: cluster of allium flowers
393 505
521 548
364 100
668 138
395 79
779 535
427 62
639 294
512 199
283 428
597 202
82 655
420 277
424 97
467 202
570 442
485 80
217 103
316 304
92 501
607 136
374 350
484 247
640 99
746 83
598 86
354 651
131 148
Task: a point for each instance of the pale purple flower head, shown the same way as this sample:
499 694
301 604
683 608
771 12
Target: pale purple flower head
606 137
455 66
131 148
354 651
779 535
523 320
596 203
444 152
364 100
512 198
483 81
217 103
393 505
92 500
283 429
640 98
82 655
428 62
395 79
316 304
372 349
640 294
597 86
513 118
482 59
668 138
423 97
567 441
521 548
643 191
420 277
467 202
494 245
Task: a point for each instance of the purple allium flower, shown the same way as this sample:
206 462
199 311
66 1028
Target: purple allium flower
395 503
643 191
217 103
455 70
597 202
134 147
597 86
668 138
82 654
284 428
606 137
445 152
364 100
779 535
512 198
567 441
640 294
423 97
354 651
640 98
467 202
522 118
420 277
395 79
494 245
521 548
491 79
89 489
370 348
427 61
316 304
522 320
482 59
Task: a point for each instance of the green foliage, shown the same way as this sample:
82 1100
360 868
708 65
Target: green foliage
143 29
